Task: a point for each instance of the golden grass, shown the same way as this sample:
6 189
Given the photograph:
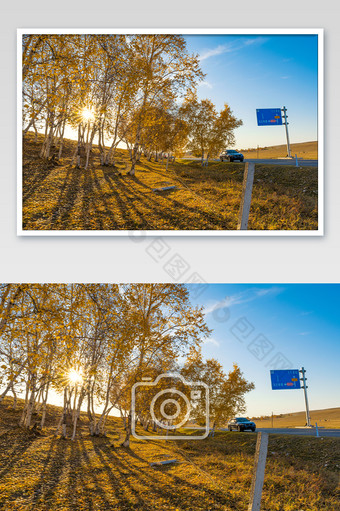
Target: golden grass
47 473
305 150
60 197
328 418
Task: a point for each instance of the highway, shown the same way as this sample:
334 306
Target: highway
273 161
302 431
302 163
323 432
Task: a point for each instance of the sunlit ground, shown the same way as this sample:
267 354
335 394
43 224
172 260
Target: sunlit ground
48 473
61 197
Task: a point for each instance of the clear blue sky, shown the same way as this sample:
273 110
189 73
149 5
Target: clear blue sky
253 323
261 71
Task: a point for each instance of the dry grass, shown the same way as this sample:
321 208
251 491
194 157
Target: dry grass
305 150
60 197
328 418
46 473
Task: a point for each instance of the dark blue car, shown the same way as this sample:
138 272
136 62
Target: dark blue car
231 155
241 424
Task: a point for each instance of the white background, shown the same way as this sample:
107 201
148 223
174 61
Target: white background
216 259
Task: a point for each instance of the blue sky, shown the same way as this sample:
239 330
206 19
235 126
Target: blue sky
261 71
261 327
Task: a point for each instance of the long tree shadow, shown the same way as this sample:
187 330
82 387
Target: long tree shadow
152 480
103 197
75 481
121 474
16 451
167 208
122 196
68 194
51 473
127 196
110 201
116 485
33 177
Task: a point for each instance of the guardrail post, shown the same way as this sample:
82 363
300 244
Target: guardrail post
247 190
258 472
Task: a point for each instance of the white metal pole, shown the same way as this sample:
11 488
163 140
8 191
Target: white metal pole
258 472
284 110
247 190
303 371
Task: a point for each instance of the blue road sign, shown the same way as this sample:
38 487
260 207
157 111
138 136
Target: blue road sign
269 116
284 379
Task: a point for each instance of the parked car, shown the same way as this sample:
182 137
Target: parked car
231 155
241 424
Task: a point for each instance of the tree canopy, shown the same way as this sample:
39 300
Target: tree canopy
92 342
116 89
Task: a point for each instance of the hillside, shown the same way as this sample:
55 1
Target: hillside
327 418
46 473
58 196
305 150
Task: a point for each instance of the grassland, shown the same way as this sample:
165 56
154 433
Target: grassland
305 150
43 472
61 197
328 418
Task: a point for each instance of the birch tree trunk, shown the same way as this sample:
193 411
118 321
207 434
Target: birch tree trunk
77 414
89 146
132 171
44 406
126 442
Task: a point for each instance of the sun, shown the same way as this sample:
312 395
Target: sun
87 114
74 376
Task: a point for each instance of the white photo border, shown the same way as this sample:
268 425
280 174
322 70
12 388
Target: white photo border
190 31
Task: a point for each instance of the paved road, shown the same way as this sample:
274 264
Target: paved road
302 163
296 431
302 431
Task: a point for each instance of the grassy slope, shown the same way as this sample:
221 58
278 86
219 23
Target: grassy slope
305 150
328 418
60 197
42 472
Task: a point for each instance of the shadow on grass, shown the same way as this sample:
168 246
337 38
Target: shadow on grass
17 447
98 199
154 208
51 471
67 197
152 483
34 176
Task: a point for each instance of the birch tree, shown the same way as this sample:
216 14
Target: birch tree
226 391
209 131
165 68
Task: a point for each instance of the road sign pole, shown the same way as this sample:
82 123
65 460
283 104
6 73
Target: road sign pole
284 110
303 371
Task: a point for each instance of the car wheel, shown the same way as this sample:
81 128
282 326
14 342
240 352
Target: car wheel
230 428
253 429
241 160
230 159
239 429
